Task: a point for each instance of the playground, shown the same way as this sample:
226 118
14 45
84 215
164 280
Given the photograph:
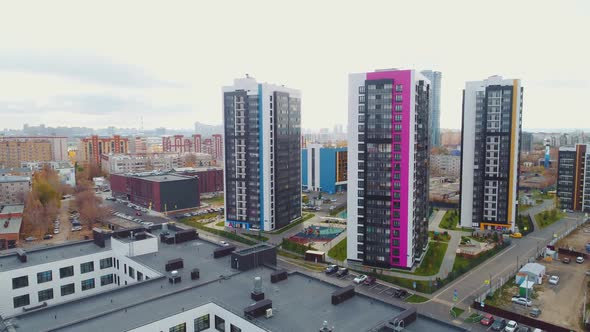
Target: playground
315 233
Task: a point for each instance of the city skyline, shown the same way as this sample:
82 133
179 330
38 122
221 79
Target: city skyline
95 77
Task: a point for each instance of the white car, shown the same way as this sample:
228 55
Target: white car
223 243
554 280
522 301
580 260
56 231
360 279
511 326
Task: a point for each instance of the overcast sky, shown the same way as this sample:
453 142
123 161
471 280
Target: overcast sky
111 63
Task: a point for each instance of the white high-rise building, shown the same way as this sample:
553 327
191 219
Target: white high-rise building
492 117
262 149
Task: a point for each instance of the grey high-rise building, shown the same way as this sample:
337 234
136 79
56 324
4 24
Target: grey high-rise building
434 124
526 142
262 145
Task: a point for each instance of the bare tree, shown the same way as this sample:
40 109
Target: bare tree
89 206
190 160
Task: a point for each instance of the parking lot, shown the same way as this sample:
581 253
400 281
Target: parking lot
376 289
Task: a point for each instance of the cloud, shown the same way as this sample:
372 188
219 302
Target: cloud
93 104
565 84
81 67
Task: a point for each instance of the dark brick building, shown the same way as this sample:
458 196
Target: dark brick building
162 192
210 178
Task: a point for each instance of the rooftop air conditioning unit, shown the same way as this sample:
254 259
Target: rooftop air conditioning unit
269 313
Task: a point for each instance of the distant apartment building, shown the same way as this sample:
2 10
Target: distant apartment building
91 148
15 151
11 217
129 163
13 189
217 147
388 173
196 139
492 117
65 171
445 165
16 171
450 138
324 168
162 192
138 145
526 142
435 78
573 182
262 138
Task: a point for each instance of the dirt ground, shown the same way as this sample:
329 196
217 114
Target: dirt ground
562 303
576 240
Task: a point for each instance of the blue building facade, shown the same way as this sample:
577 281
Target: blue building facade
324 168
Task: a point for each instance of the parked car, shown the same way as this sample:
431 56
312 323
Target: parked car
47 237
512 326
400 293
487 320
370 281
110 199
535 312
554 280
524 329
56 231
499 325
516 235
360 279
579 259
342 272
566 260
522 301
223 243
331 269
138 213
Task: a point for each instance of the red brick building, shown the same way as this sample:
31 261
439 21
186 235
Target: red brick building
210 179
11 217
91 148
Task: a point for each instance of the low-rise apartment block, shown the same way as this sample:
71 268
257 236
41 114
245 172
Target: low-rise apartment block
13 189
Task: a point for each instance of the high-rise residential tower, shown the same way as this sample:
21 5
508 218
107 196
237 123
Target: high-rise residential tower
573 186
492 116
434 116
262 137
388 167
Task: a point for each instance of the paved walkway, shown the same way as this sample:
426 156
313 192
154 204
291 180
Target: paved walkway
449 260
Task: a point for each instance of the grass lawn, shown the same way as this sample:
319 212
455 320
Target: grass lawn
522 208
524 224
336 211
192 221
456 312
338 252
205 216
439 237
416 299
473 318
293 224
433 259
547 218
213 200
450 220
463 264
220 224
256 237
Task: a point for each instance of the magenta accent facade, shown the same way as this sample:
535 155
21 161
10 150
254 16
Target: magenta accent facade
403 77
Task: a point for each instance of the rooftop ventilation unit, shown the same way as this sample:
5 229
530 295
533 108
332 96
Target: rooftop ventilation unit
269 313
22 255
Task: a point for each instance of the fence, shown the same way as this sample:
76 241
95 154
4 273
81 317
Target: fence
519 318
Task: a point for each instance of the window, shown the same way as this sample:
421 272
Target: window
398 98
131 272
202 323
86 267
21 301
67 271
398 88
106 280
87 284
43 277
20 282
46 294
105 263
398 108
233 328
219 324
67 289
178 328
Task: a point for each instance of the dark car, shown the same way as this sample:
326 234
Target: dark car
535 312
342 272
487 320
400 293
523 329
138 213
566 260
499 325
47 237
370 281
331 269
